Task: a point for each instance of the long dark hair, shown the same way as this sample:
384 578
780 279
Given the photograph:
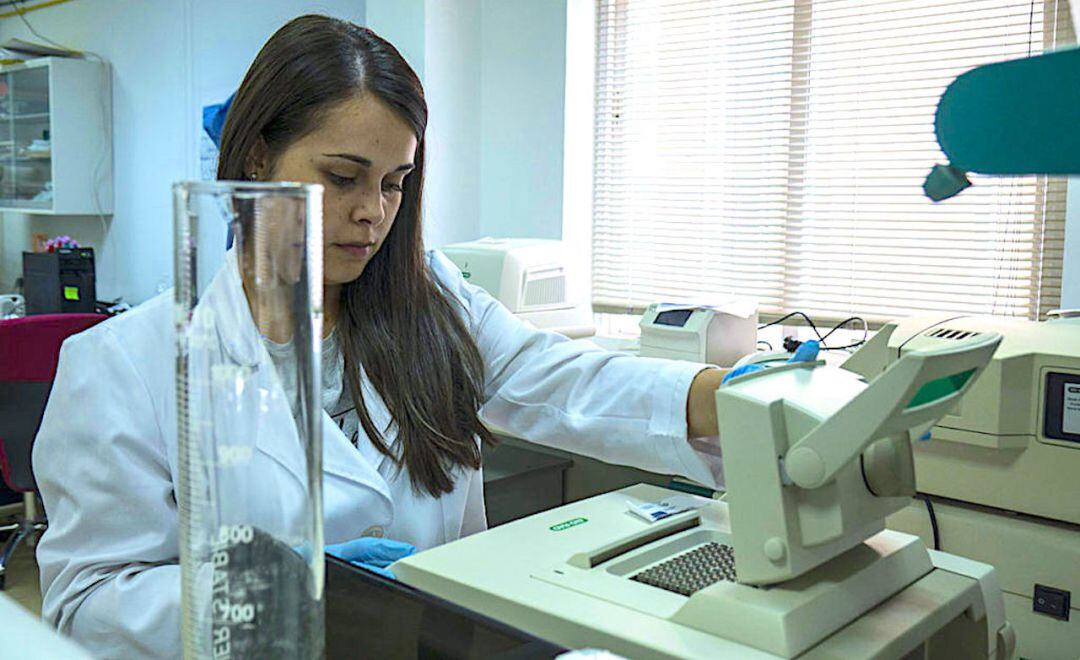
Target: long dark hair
414 345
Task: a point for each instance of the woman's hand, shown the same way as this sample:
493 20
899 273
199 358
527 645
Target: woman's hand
372 553
701 403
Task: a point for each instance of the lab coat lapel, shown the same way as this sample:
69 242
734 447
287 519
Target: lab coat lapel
236 329
240 339
342 459
381 419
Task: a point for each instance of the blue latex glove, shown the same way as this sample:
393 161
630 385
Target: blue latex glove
372 553
806 352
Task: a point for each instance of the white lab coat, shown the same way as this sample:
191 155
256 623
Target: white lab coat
106 456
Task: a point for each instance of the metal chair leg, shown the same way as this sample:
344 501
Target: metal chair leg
30 503
9 549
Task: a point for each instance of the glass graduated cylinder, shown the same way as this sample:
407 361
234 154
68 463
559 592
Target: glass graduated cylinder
249 443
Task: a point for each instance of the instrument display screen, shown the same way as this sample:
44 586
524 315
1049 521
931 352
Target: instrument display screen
674 317
1062 417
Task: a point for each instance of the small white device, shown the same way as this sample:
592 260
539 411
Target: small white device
530 276
11 306
717 335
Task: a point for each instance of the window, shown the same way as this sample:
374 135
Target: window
776 149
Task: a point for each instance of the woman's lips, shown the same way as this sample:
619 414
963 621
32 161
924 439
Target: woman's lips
358 250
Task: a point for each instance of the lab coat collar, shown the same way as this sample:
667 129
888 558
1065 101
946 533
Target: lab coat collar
237 331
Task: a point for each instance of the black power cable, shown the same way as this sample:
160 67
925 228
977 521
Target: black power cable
809 321
933 519
790 343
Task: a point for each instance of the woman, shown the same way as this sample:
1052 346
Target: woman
414 359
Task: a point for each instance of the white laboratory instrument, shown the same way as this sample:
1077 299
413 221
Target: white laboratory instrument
1002 475
251 543
532 277
717 335
795 563
1002 470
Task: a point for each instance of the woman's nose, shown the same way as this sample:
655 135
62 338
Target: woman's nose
369 208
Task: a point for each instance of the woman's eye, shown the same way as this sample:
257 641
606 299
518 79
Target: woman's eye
393 187
338 180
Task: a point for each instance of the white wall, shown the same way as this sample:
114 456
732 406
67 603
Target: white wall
578 141
523 77
1070 278
169 57
401 22
494 73
452 68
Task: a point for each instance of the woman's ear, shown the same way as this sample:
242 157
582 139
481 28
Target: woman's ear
256 165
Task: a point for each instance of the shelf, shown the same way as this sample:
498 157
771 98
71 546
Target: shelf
52 97
35 116
24 204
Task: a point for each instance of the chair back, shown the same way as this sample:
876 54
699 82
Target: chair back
29 349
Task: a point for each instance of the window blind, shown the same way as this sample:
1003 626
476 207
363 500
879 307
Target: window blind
776 149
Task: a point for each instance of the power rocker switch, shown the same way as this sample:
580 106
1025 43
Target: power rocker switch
1051 602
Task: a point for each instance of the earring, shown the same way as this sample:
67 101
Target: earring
252 176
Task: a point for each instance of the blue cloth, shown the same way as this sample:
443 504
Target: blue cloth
213 122
806 352
372 553
213 119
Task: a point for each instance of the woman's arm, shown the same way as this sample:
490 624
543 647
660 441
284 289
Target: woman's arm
572 395
701 404
108 560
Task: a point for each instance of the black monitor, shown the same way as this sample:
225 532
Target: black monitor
369 616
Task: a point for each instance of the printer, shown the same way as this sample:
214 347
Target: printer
531 277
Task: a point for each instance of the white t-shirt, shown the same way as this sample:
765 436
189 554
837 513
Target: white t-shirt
335 399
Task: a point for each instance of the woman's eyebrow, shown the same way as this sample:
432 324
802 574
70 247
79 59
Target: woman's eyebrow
367 163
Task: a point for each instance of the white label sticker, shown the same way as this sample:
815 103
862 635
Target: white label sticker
1070 410
653 511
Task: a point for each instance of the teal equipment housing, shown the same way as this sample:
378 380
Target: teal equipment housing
1009 118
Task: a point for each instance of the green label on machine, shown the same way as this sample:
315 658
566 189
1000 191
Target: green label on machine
71 293
573 522
940 388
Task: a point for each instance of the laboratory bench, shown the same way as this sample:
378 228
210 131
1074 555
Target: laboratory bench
369 616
